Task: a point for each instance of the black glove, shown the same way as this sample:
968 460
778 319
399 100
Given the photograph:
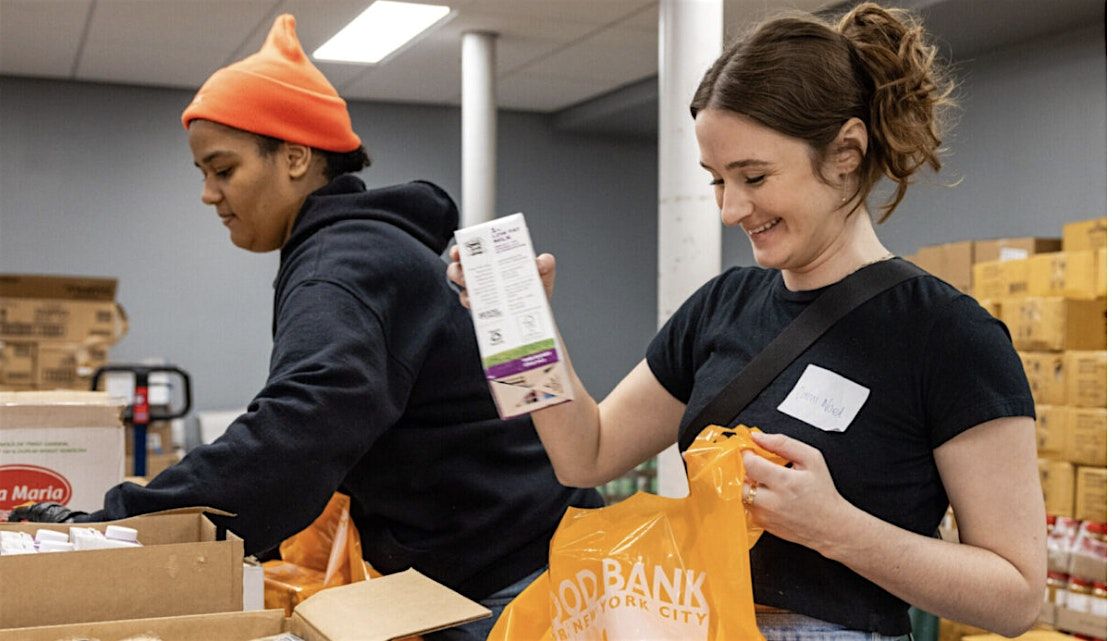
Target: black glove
45 513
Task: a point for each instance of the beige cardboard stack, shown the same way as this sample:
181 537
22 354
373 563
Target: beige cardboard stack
1055 307
55 330
956 263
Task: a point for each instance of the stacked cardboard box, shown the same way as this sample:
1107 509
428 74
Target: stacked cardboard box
1055 307
957 262
55 330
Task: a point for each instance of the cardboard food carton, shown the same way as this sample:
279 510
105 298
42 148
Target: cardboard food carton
951 262
1057 479
988 280
65 447
1085 234
1046 374
516 332
56 330
1056 324
1087 378
391 607
1051 426
1013 248
1087 436
60 308
182 568
1016 275
1102 272
1092 494
1069 274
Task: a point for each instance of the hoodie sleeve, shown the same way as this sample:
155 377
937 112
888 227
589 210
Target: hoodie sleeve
333 390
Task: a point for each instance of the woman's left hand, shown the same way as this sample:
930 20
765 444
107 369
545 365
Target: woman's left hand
800 503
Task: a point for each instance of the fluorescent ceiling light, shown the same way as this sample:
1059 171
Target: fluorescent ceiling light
379 31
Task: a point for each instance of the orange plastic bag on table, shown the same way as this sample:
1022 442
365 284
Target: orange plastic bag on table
652 567
325 554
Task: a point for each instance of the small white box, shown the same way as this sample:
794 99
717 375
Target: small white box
517 334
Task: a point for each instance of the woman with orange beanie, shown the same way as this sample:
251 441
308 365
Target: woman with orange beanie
375 386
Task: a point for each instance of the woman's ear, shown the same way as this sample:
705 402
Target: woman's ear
298 159
848 148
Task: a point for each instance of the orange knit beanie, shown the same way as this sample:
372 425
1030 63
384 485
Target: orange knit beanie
277 92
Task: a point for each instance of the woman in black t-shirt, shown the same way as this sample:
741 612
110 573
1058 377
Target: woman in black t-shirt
796 123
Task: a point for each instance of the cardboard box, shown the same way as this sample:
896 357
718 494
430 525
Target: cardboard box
55 330
1047 274
1092 494
1070 274
1051 427
1085 234
991 305
953 263
63 321
1056 324
31 365
1087 436
1102 272
1087 378
1013 248
1057 479
1081 274
66 447
181 569
988 280
1015 274
391 607
1046 373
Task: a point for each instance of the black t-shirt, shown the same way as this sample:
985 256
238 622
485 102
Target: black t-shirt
929 363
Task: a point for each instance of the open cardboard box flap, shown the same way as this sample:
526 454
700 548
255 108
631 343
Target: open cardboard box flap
398 605
390 607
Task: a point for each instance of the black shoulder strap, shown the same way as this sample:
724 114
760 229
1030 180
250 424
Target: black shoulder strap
796 338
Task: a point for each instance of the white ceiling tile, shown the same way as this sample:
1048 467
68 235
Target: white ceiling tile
40 37
590 11
534 92
628 54
177 43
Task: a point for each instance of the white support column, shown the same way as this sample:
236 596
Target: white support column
480 128
689 234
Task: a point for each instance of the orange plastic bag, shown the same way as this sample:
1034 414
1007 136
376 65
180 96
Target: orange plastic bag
651 567
323 555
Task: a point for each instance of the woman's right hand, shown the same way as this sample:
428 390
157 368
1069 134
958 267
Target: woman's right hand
546 267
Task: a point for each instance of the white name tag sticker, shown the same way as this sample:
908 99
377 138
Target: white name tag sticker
824 399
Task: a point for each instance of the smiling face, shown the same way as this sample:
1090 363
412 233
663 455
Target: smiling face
765 183
255 195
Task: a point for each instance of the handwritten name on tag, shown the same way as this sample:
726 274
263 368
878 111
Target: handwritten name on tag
824 399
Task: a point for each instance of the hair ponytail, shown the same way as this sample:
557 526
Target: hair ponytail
909 90
805 78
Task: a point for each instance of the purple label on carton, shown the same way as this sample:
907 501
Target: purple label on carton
523 364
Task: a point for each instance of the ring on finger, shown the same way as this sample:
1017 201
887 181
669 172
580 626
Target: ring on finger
750 494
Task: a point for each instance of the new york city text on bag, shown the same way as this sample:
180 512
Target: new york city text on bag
652 567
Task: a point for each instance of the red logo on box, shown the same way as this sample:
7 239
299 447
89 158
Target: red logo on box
22 483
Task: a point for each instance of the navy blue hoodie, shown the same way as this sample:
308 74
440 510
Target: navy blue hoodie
376 389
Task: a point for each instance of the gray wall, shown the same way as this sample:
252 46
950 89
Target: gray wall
98 180
1029 149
